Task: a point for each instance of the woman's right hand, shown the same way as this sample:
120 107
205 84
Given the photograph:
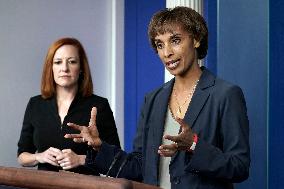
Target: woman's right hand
48 156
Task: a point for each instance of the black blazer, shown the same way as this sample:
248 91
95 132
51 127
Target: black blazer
42 127
217 113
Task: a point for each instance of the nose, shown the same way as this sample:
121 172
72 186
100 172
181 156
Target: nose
168 51
64 65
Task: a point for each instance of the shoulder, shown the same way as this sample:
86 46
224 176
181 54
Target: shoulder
227 89
166 87
226 86
95 101
219 90
216 85
37 103
37 99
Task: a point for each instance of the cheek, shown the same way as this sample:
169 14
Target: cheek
76 71
181 50
54 70
160 55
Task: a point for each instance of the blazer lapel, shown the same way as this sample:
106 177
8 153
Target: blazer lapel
157 122
199 97
198 100
160 110
52 106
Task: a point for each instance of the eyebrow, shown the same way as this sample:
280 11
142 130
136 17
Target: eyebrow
157 40
67 58
173 35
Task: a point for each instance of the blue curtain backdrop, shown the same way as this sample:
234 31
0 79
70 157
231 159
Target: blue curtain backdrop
143 69
276 95
242 58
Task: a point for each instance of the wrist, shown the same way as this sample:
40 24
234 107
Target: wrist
36 158
97 145
82 159
193 145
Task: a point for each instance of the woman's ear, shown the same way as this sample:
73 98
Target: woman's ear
196 43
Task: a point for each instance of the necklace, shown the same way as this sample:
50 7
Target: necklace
180 106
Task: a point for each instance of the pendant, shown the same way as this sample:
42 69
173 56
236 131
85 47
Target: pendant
179 111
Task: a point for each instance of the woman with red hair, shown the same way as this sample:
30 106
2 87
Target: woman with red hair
66 96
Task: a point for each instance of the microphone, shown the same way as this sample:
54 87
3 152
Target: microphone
123 164
116 157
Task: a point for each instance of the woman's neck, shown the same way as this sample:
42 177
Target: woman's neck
64 97
66 94
188 80
183 90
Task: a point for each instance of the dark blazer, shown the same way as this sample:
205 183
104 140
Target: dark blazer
42 127
217 113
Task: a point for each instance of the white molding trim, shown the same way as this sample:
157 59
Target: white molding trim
196 5
117 66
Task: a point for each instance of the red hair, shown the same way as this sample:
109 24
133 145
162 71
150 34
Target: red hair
85 84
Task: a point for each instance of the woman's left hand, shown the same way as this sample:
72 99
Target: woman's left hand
89 134
70 159
180 142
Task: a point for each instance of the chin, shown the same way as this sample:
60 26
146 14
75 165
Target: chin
66 85
176 72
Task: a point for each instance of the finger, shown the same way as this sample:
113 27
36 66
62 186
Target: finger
55 151
172 146
172 138
61 161
166 153
75 126
50 157
60 157
181 122
67 167
63 156
64 164
72 136
93 116
78 140
167 150
51 161
66 151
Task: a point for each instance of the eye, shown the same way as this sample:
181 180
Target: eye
72 61
56 62
176 41
159 45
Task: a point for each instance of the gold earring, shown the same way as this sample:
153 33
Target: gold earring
197 44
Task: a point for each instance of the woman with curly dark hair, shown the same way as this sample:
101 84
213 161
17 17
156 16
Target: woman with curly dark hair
193 130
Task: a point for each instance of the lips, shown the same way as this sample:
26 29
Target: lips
64 76
172 64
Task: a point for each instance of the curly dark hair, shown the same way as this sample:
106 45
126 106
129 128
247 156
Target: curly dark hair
190 20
